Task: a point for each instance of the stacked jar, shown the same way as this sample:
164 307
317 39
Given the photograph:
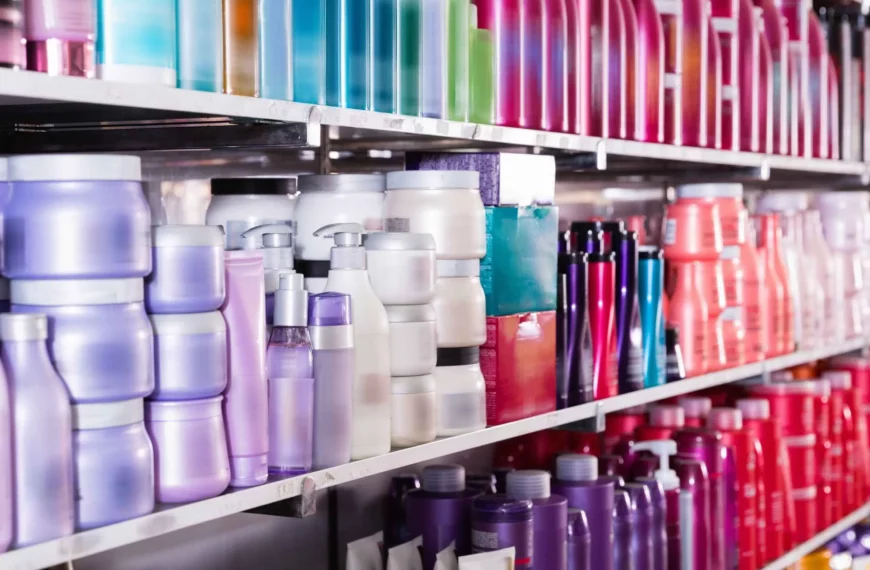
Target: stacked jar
183 296
447 205
88 280
401 268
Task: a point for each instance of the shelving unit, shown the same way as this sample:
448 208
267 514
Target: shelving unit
170 518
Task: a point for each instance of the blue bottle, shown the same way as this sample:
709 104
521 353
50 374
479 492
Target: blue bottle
309 52
275 49
385 38
348 54
200 45
650 289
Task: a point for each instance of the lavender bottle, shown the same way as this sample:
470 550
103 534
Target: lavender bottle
658 529
550 514
329 324
579 551
499 521
289 365
42 435
642 521
623 513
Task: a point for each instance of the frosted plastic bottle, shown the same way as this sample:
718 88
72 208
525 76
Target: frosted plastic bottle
349 54
687 311
200 45
725 22
385 51
694 73
646 121
42 460
458 38
241 58
371 433
503 19
309 52
481 101
434 58
748 77
274 53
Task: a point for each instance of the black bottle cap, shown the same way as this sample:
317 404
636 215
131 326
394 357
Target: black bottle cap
650 252
599 257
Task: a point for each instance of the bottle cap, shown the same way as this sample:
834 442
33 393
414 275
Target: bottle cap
663 449
348 252
291 301
528 484
696 406
650 252
728 419
754 408
822 387
444 478
60 167
666 416
329 309
576 467
839 379
23 327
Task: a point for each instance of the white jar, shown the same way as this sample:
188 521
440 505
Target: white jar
460 304
443 203
461 391
239 204
412 339
414 410
401 267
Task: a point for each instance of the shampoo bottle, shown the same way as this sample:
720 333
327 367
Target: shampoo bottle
675 367
200 47
695 480
641 522
275 51
503 19
60 36
694 73
819 104
628 326
349 53
650 291
371 387
658 524
573 338
725 17
549 515
309 52
695 410
556 58
241 48
671 14
579 551
434 58
687 312
408 58
665 529
623 529
765 88
385 51
6 470
776 33
780 329
824 455
136 42
458 61
748 77
602 324
533 46
714 88
481 102
647 75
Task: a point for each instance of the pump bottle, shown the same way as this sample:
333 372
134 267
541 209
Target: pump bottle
276 242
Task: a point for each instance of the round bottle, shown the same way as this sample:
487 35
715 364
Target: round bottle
498 522
550 513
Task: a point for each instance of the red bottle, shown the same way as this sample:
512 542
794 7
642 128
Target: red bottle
504 20
694 80
824 454
664 420
602 323
780 331
556 43
818 86
725 22
671 14
855 436
765 91
839 489
776 33
695 410
755 302
714 88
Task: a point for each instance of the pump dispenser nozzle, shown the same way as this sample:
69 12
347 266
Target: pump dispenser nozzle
291 301
253 238
348 252
663 449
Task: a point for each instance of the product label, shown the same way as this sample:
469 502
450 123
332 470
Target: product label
487 537
670 237
462 411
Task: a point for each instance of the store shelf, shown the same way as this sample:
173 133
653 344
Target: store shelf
171 518
819 540
41 103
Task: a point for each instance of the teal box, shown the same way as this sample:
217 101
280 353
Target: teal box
519 271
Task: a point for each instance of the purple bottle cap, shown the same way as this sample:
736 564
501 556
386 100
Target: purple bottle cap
329 310
501 508
640 496
444 478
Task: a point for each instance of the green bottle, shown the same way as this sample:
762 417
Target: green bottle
481 100
458 60
408 80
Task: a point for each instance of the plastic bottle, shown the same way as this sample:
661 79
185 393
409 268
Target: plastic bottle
246 407
135 42
695 480
556 43
349 53
371 387
408 58
819 103
748 78
714 88
481 99
573 338
458 60
665 490
854 464
289 364
6 511
671 14
241 53
549 514
385 52
663 421
755 298
824 454
275 241
779 329
628 328
600 66
765 87
725 21
694 73
646 76
687 312
675 367
577 480
504 20
617 85
59 36
632 94
309 52
602 324
579 551
275 37
650 291
695 410
623 530
396 530
642 552
42 456
776 33
200 46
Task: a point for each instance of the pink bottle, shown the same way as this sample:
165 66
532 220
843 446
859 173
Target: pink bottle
714 88
633 95
780 332
748 78
725 22
755 307
647 75
818 86
504 20
712 281
671 14
600 65
765 89
534 47
834 116
797 14
617 44
580 85
825 479
776 34
60 36
687 311
556 46
694 80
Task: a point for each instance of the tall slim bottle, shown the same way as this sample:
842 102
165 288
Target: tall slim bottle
695 479
628 326
246 407
42 461
434 59
408 58
481 98
504 20
748 77
385 52
275 49
349 54
458 38
602 324
309 52
650 290
725 21
557 43
647 75
549 516
818 86
694 73
534 48
665 492
765 89
776 32
779 329
632 94
573 339
200 45
60 36
714 88
241 59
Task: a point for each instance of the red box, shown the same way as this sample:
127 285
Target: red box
519 365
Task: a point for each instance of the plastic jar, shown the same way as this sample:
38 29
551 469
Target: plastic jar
414 410
692 225
76 216
461 391
190 356
499 521
99 336
187 270
190 449
412 339
460 304
114 463
443 203
239 204
401 267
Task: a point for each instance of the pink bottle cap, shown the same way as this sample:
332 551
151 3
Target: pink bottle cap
727 419
754 408
696 406
839 379
666 416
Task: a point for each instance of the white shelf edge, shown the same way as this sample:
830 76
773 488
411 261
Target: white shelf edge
794 555
171 518
39 87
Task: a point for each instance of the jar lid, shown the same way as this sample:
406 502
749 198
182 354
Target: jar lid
528 484
23 327
458 268
448 478
108 415
184 410
342 183
187 236
784 388
413 384
410 313
252 186
73 167
57 292
433 180
190 323
398 241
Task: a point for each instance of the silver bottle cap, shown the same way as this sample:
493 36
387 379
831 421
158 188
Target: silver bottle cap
291 302
348 252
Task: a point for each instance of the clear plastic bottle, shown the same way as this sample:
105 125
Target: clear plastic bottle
200 46
348 54
275 41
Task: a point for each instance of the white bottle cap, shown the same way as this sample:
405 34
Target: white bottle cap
576 467
663 448
754 408
444 478
696 406
528 484
839 379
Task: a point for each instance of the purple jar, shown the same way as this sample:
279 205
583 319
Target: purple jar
579 549
577 480
190 449
187 269
440 512
99 335
550 513
641 522
190 356
623 513
658 528
114 463
694 479
96 200
499 521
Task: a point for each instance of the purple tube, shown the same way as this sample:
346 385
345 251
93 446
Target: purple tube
5 465
246 407
550 513
693 477
579 550
577 480
658 527
440 512
573 337
623 516
628 330
497 522
42 435
642 524
190 356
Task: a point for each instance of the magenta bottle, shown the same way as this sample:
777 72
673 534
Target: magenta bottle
504 20
246 407
600 63
617 64
550 515
556 44
5 465
290 368
648 103
42 434
694 479
573 65
666 527
60 36
533 45
579 550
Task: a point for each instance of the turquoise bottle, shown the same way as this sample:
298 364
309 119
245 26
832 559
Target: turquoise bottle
348 54
385 27
408 80
309 51
275 49
200 45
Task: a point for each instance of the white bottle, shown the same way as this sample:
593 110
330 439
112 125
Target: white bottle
371 337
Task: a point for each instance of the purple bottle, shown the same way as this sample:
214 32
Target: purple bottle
42 434
617 480
577 480
498 521
246 406
658 528
573 337
440 512
623 515
579 550
329 323
396 530
694 479
5 464
550 514
289 362
642 523
629 336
